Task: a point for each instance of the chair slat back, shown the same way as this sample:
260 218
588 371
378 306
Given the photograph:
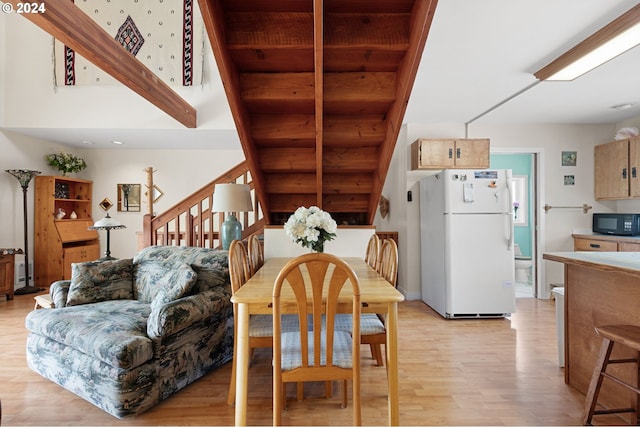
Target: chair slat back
389 261
256 254
238 265
373 251
324 275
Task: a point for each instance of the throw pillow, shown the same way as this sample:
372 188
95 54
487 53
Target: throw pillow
175 284
96 281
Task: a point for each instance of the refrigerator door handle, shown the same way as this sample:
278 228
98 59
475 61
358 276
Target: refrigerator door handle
509 214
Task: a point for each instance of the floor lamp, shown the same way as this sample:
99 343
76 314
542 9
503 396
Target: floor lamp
25 176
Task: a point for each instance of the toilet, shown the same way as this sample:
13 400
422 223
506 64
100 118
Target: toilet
522 265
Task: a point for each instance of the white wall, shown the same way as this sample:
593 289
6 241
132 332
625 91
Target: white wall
349 242
19 152
3 43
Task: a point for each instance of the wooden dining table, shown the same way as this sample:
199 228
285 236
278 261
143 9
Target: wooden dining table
376 294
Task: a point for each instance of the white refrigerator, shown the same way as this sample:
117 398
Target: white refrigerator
467 259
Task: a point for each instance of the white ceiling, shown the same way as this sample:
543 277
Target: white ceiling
482 53
478 65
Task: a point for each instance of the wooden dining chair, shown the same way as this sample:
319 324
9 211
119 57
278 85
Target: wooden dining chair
625 336
260 325
316 353
256 254
373 331
372 254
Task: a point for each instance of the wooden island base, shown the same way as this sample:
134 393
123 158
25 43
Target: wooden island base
601 288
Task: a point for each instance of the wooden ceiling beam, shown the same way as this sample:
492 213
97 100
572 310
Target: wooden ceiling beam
70 25
318 60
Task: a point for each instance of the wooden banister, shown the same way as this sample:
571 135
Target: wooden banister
191 222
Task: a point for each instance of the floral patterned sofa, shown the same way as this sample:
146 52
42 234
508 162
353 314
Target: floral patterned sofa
126 334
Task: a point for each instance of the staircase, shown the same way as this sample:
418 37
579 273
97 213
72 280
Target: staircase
191 222
318 91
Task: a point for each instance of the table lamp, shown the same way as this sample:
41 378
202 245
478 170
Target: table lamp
107 223
231 198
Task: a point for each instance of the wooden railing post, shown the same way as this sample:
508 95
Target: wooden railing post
146 230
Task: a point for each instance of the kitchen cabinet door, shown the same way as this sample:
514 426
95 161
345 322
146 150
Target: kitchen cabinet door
611 170
78 254
634 167
450 154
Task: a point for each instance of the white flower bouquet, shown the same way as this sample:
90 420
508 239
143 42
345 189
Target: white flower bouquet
311 227
65 162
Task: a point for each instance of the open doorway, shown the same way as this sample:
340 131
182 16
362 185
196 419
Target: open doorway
525 166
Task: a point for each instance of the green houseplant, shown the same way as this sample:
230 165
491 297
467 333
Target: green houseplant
65 163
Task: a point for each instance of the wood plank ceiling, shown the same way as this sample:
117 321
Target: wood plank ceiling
318 90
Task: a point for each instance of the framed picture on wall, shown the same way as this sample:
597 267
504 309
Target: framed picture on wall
569 180
569 158
128 197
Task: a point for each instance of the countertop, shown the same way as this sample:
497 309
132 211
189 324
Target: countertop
628 262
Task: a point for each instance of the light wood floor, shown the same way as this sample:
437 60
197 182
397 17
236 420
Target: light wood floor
452 372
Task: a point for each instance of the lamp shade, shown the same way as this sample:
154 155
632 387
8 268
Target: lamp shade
232 198
107 223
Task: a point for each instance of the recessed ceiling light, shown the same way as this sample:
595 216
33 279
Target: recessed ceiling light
118 142
623 106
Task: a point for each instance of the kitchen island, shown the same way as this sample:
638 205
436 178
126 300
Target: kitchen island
601 288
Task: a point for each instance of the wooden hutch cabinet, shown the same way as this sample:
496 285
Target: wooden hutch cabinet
61 242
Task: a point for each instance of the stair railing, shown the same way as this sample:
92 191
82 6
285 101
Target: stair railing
191 222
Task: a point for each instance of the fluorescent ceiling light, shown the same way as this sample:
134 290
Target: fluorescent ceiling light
615 38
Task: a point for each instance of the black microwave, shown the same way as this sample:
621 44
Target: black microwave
616 223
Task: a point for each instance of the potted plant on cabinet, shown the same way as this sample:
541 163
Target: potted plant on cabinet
65 163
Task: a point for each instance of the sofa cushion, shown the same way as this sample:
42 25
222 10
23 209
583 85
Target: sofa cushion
210 278
114 332
152 262
97 281
174 284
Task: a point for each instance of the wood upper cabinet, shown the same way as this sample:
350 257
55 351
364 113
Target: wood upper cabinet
61 242
450 154
617 170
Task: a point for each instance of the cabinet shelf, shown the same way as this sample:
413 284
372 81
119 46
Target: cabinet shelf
72 200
